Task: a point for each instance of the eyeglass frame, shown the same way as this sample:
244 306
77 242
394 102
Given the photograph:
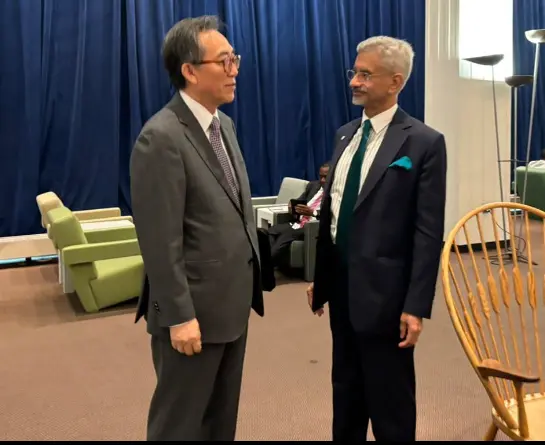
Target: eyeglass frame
228 62
350 74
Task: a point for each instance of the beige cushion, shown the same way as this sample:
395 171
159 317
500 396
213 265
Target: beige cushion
46 202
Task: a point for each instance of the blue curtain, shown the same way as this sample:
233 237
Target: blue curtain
527 15
78 78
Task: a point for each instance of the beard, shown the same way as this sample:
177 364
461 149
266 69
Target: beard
358 100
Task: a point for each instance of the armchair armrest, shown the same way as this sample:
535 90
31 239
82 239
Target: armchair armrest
88 253
264 200
113 218
86 215
111 235
281 217
493 368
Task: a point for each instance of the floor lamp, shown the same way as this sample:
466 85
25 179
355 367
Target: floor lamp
491 61
516 82
537 37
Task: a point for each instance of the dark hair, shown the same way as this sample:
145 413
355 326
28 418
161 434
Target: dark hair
181 45
325 165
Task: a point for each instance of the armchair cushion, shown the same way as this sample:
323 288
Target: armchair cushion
291 188
117 280
46 202
65 229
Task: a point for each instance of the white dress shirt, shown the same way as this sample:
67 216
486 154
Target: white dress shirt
204 117
380 124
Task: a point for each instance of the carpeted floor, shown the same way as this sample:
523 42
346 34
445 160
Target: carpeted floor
65 375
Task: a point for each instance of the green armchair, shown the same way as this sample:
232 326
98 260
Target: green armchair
535 190
105 266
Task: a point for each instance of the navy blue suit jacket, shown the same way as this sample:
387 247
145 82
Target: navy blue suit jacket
397 233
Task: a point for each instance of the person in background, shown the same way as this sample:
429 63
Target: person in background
283 234
379 246
196 230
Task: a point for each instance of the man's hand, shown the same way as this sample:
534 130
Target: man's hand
310 296
186 339
303 210
411 327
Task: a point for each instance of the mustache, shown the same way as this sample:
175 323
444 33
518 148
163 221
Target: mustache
359 90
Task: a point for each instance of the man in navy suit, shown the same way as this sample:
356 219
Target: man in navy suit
378 250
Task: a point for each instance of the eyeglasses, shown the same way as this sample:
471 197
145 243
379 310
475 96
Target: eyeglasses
361 75
228 62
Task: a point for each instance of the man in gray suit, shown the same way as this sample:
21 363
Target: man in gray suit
193 216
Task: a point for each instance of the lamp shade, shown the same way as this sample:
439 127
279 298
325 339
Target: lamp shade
519 80
490 60
535 35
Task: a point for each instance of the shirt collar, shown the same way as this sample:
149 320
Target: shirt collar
203 116
381 120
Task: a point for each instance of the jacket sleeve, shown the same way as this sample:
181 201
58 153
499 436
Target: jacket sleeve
428 231
158 192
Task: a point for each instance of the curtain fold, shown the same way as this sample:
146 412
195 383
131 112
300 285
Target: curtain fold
527 15
78 79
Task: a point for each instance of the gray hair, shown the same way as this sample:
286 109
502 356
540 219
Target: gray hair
397 55
181 45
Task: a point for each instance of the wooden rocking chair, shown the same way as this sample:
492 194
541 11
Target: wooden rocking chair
501 334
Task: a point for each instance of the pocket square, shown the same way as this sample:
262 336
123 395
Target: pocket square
404 162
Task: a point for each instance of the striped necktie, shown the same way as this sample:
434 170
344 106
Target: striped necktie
215 141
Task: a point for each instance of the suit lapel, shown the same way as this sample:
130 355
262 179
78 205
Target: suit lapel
393 140
339 150
198 139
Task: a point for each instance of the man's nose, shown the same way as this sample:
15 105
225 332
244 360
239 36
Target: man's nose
354 83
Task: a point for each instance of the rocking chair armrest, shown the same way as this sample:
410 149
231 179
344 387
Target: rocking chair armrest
493 368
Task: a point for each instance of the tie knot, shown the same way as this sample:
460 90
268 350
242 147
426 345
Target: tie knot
215 125
367 125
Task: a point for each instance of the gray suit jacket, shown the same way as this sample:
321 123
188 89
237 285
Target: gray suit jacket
200 249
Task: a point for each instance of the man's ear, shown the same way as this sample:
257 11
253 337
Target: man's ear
397 84
188 71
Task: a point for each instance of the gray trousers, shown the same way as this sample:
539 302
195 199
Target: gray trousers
197 397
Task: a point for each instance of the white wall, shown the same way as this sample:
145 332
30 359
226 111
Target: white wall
462 109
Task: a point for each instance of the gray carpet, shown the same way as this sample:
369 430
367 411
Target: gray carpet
69 376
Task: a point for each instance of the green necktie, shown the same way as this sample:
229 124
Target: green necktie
351 192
